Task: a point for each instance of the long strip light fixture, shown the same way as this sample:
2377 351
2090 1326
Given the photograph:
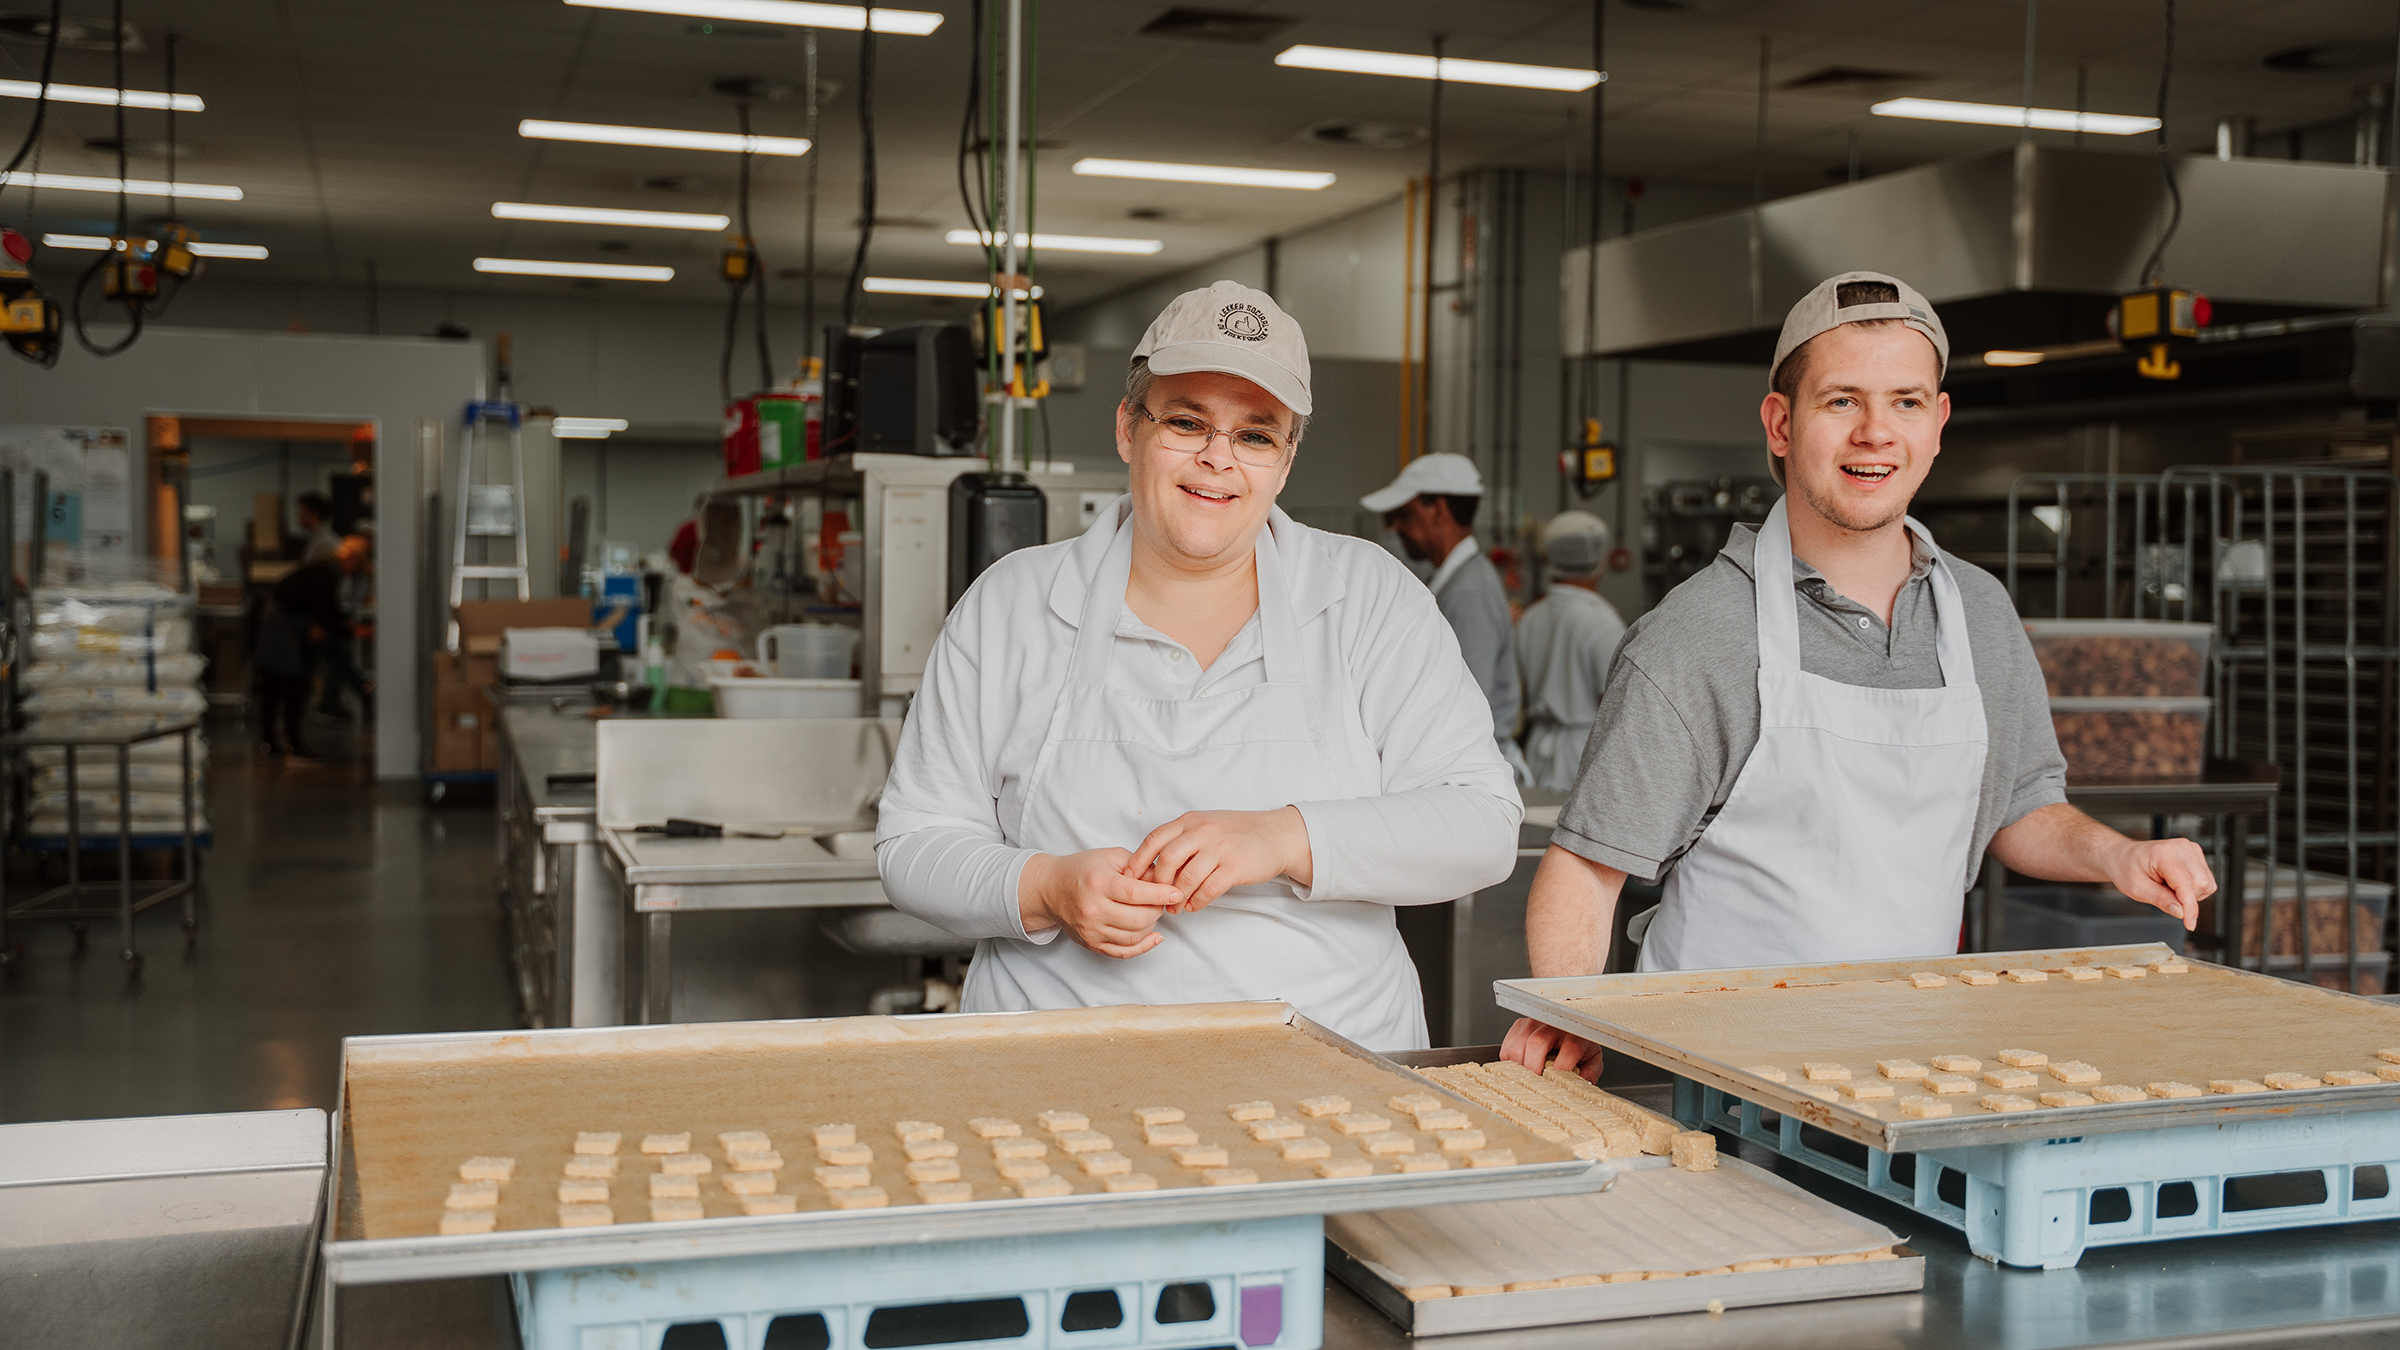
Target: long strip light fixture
535 267
138 187
1452 69
964 290
2015 115
594 133
1222 175
1061 243
585 428
86 93
797 13
602 215
97 242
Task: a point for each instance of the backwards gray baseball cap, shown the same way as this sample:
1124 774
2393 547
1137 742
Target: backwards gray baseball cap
1821 311
1232 330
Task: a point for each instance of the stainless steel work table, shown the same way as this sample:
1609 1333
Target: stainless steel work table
566 934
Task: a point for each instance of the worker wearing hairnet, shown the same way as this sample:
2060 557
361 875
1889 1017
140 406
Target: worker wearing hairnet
1201 752
1432 506
1564 644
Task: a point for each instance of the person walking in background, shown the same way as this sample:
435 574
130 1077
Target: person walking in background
1564 644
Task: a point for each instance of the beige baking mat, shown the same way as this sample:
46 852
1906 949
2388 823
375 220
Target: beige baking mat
2208 1023
417 1110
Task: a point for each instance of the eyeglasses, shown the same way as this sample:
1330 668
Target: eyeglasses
1258 447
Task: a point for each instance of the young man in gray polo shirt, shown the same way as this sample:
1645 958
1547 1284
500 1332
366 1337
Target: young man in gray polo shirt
1815 740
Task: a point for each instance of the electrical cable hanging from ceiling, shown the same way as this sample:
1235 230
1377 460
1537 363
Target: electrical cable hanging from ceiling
119 255
2156 266
744 271
1587 365
171 281
41 99
853 293
808 234
976 201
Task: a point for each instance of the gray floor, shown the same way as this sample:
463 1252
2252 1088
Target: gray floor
331 906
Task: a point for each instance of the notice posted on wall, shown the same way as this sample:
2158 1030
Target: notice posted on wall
86 520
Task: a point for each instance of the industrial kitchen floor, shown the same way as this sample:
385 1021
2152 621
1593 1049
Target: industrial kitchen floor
331 906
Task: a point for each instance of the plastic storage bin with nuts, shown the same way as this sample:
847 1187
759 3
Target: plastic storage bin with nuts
2132 739
2121 658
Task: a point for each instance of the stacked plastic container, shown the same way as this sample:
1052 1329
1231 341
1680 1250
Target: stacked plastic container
2128 697
106 659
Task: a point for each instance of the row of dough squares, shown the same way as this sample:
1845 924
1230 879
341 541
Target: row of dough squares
2165 965
1423 1292
1561 1108
931 1163
2018 1071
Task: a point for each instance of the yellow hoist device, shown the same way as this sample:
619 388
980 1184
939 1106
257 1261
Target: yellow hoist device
1589 462
2160 320
29 320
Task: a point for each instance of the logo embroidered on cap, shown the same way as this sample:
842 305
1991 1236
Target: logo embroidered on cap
1242 321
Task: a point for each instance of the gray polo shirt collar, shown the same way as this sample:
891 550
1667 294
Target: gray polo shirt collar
1741 549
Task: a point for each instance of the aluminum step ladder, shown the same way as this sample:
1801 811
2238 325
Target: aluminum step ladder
489 511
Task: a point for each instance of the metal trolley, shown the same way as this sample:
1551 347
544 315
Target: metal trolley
67 901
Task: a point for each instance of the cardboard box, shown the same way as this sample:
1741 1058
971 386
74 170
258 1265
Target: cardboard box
462 718
548 654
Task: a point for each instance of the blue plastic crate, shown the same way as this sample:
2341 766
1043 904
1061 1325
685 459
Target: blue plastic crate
2042 1202
1259 1285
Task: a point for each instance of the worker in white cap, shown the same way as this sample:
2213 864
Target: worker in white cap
1432 506
1814 740
1200 752
1565 641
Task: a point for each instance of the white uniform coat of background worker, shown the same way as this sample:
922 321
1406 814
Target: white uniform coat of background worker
1565 641
1423 507
1120 815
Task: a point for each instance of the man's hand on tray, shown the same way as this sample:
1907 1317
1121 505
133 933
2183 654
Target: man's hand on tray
1532 1043
1093 897
2171 874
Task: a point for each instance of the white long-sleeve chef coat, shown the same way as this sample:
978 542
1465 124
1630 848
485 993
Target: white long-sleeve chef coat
1400 711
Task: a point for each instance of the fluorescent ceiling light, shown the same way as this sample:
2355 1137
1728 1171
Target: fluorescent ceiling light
1452 69
597 134
138 187
585 428
965 290
97 242
2012 358
1203 173
799 13
84 93
1063 243
601 215
530 267
2012 115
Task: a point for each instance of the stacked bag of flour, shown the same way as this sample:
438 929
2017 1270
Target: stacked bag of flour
105 659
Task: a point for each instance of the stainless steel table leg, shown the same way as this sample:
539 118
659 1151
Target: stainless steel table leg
191 853
125 851
658 968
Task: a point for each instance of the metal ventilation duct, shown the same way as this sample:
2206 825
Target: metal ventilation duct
2023 247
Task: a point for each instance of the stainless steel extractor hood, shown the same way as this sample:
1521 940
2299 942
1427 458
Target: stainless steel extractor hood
2022 247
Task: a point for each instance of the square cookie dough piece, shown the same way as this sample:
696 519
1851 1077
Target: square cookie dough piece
945 1192
1389 1141
1170 1136
916 1131
1198 1156
1444 1119
1949 1084
1230 1176
1105 1164
1769 1072
859 1197
664 1187
1956 1063
830 1177
1036 1188
744 1141
2118 1092
667 1143
2074 1071
1281 1127
2349 1078
1060 1122
1345 1167
766 1161
1902 1070
685 1165
458 1222
933 1169
2292 1082
1019 1148
2389 1056
2125 972
751 1183
573 1192
1867 1090
830 1136
1978 978
2171 966
1459 1141
2059 1099
1361 1122
1305 1149
994 1127
1818 1071
1492 1157
585 1216
2389 1073
675 1209
1421 1162
2172 1089
1693 1151
1412 1103
1158 1115
2010 1080
1926 979
2233 1087
1021 1169
596 1143
2023 1059
2081 972
473 1195
1084 1141
2025 976
1118 1183
487 1169
1330 1104
756 1205
846 1155
1924 1108
2004 1102
930 1148
1251 1111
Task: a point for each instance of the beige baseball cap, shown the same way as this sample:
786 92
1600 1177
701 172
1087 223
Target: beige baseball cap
1232 330
1443 475
1821 311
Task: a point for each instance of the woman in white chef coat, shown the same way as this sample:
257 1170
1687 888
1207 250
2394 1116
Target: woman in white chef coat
1199 753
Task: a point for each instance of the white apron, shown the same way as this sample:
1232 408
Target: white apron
1846 835
1116 765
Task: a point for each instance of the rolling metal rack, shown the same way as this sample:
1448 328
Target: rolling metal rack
2294 563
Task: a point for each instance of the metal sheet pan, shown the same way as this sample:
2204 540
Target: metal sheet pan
352 1260
2204 1008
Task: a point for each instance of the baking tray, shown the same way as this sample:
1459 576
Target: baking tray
531 1063
1735 1212
2213 1022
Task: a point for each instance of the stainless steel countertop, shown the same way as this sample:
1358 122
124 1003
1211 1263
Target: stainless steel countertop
543 741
